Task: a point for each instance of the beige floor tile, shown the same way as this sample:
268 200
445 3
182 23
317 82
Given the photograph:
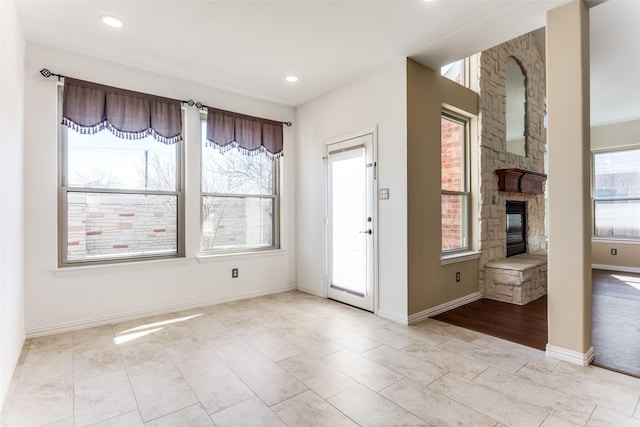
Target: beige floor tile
636 414
208 327
235 352
175 332
191 353
486 354
43 364
434 407
446 361
274 347
250 413
348 339
130 419
91 337
323 379
269 381
193 416
308 341
383 335
161 392
404 364
604 417
491 403
446 330
43 402
418 335
96 360
363 370
310 410
367 408
144 356
103 397
51 342
67 422
623 383
216 386
555 421
605 394
569 407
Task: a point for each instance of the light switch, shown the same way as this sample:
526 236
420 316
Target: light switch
383 193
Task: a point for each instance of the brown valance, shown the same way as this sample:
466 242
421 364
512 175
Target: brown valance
251 135
90 107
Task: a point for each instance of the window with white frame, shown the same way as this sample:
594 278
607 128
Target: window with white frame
455 199
120 199
616 194
240 200
456 71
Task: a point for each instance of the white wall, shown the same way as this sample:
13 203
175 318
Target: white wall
12 47
616 135
76 297
377 99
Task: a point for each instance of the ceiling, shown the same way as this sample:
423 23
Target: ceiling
249 47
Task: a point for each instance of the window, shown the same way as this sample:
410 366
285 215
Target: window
616 194
240 203
455 183
456 71
120 199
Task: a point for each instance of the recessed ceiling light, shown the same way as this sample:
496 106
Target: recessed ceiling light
112 21
291 79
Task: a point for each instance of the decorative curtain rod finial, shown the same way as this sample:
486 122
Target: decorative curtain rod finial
288 124
46 73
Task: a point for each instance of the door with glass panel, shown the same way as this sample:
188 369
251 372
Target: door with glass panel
350 221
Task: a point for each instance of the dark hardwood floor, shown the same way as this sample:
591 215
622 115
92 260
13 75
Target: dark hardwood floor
616 321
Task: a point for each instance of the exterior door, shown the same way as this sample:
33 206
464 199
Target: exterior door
350 221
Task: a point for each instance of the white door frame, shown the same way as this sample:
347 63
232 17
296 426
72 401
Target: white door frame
373 131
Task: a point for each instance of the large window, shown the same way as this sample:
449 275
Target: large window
455 183
120 199
616 194
240 202
456 71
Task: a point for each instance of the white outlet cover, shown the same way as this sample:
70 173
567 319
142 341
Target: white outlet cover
383 193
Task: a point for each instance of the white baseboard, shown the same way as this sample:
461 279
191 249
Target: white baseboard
394 317
434 311
616 268
106 320
575 357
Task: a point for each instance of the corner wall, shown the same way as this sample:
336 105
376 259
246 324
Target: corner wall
431 284
376 99
12 53
71 298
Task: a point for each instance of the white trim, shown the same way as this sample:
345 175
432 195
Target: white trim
459 257
621 241
616 268
84 270
575 357
394 317
211 257
434 311
106 320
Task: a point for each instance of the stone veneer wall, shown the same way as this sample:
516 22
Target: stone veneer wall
492 146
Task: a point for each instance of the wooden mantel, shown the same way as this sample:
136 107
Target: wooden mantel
521 181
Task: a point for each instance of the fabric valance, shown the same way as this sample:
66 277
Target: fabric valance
90 107
251 135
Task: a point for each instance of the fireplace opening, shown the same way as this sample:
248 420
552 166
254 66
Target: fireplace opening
516 228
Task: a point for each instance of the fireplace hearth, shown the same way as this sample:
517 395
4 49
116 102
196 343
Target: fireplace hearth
516 228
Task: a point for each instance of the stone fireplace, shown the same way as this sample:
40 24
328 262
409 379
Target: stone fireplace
507 178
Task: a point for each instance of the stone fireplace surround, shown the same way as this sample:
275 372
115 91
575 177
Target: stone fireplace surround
494 156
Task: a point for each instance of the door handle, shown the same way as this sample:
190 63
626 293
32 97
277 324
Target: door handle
367 232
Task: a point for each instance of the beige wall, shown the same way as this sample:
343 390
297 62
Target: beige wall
429 283
569 276
616 135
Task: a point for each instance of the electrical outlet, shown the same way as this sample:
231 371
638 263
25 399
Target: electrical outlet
614 251
234 273
457 276
383 193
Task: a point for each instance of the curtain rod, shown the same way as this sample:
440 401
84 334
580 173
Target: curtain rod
199 105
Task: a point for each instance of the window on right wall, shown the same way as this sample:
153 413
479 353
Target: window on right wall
616 194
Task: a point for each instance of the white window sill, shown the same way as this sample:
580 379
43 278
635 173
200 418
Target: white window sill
85 270
208 258
622 240
459 257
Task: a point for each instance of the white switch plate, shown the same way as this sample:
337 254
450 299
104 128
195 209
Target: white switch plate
383 193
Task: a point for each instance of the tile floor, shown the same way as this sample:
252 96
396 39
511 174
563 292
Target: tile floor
293 359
